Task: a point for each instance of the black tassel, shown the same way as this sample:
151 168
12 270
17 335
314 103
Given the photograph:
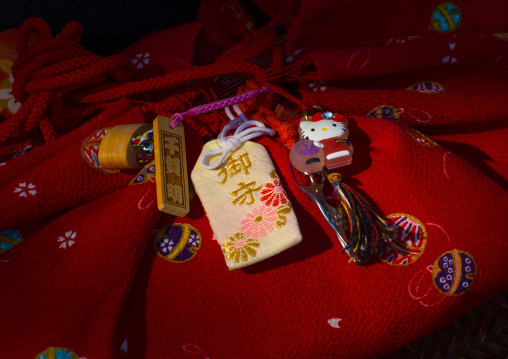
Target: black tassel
359 229
366 229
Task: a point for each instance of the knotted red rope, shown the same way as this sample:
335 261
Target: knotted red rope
60 83
45 72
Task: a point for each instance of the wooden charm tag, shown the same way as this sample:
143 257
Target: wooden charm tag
170 167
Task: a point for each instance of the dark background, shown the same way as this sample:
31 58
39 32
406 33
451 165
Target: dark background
109 26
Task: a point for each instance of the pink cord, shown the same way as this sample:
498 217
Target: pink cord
217 105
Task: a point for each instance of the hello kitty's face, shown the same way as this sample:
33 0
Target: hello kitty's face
323 129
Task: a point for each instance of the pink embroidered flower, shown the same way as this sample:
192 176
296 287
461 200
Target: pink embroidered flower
273 194
259 222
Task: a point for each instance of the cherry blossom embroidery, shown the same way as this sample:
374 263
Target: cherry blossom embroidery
193 239
141 60
68 240
259 222
25 190
273 194
317 86
334 322
240 247
178 242
166 245
125 346
451 59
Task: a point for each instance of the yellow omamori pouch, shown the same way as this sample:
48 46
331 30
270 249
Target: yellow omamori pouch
248 209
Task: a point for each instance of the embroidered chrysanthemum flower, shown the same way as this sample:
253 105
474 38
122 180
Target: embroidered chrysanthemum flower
7 97
166 246
259 222
273 194
25 190
68 240
141 60
240 247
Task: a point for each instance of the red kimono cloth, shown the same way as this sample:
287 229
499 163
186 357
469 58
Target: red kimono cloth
82 268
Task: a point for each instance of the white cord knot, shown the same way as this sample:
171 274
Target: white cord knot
231 143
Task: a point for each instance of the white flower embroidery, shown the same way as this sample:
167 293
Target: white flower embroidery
453 60
68 240
334 322
141 60
167 246
450 59
24 190
194 239
125 346
3 163
6 94
317 86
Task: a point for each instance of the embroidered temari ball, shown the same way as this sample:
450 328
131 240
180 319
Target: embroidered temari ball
248 209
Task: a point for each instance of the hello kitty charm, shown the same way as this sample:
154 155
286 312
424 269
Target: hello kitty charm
329 131
323 147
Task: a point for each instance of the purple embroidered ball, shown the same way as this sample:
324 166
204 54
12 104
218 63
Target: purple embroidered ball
386 112
427 87
453 272
178 242
145 176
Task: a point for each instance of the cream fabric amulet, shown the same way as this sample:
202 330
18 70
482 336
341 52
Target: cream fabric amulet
247 207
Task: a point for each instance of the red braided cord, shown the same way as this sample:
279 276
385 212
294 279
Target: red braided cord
278 59
240 17
45 72
64 67
59 82
47 129
169 80
33 24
